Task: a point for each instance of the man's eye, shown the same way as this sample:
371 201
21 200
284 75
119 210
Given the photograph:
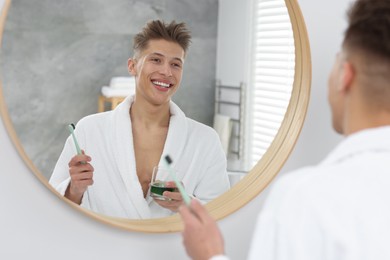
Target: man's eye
177 65
155 59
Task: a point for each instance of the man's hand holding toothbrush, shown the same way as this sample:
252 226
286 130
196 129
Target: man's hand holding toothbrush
81 176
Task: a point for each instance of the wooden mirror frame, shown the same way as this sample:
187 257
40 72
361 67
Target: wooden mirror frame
252 184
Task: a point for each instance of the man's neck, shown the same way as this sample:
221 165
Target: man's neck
365 118
148 115
373 123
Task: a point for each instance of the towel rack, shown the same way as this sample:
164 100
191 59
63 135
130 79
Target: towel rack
112 101
225 104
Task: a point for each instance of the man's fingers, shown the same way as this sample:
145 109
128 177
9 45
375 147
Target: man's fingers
82 176
172 205
81 168
77 159
187 216
200 211
197 213
84 183
173 195
75 170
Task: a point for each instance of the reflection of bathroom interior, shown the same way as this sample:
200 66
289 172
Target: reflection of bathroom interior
243 99
250 100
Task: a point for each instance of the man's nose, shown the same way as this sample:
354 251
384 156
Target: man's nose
166 69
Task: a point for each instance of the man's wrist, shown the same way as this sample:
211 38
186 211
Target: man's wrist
75 197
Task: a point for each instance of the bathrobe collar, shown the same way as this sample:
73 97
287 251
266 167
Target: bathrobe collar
368 140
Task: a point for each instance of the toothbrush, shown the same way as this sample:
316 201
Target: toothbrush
183 193
71 130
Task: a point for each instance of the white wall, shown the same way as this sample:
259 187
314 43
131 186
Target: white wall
233 29
34 224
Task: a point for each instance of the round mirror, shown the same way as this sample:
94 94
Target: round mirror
55 64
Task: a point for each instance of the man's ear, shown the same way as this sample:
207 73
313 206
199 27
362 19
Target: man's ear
348 76
131 67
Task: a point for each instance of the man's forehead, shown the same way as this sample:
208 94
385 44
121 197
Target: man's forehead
164 55
165 48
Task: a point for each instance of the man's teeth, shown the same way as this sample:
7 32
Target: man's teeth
161 84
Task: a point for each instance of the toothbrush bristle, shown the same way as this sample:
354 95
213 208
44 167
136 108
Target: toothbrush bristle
168 159
73 126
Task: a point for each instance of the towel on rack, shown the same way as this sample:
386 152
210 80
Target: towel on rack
119 87
223 126
122 82
112 92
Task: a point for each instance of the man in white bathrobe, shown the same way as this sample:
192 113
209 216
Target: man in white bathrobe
340 208
121 147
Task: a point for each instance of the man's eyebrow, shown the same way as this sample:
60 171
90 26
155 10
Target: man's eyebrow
162 55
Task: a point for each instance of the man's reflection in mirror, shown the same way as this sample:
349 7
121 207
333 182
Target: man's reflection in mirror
120 148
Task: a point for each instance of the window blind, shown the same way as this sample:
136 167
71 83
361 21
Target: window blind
271 76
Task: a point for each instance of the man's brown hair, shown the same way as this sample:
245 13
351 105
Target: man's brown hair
369 27
157 29
367 42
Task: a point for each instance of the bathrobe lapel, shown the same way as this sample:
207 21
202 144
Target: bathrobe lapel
125 161
177 135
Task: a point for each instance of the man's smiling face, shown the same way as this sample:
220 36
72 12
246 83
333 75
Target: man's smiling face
158 71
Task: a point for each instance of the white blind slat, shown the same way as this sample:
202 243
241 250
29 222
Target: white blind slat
272 95
274 72
267 116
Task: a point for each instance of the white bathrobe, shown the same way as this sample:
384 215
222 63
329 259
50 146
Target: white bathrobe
338 209
195 149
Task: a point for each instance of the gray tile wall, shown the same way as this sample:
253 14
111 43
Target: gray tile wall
57 54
